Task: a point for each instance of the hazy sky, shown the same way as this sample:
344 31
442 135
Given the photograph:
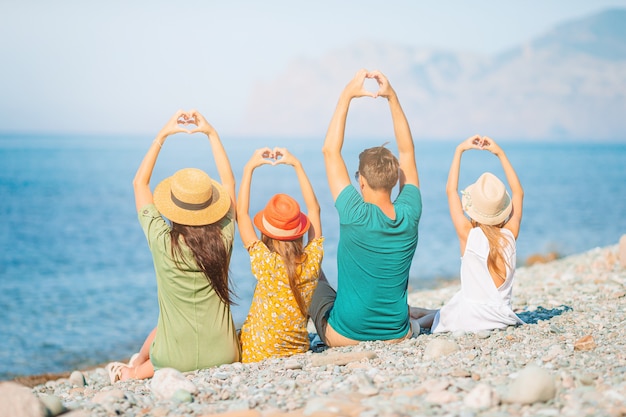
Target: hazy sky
126 66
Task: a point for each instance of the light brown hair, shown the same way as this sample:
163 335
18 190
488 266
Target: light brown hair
292 253
496 261
379 167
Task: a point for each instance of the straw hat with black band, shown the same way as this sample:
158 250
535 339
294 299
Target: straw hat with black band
192 198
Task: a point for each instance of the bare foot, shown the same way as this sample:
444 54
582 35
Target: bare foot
127 373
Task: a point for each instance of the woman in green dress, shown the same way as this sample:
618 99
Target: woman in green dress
191 255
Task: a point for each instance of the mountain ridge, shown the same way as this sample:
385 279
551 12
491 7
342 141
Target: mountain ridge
567 84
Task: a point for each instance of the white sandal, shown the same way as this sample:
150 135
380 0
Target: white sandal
132 360
114 369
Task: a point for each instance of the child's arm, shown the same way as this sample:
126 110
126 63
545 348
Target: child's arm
461 224
310 200
141 182
517 192
401 129
244 221
225 171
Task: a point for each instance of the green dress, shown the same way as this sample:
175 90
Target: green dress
195 329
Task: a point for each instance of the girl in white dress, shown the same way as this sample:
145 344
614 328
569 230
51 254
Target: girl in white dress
487 242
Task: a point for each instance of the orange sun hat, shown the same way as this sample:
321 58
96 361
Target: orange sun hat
281 219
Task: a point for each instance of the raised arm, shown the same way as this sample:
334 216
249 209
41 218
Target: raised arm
336 171
141 182
224 169
244 221
283 156
461 224
402 131
517 192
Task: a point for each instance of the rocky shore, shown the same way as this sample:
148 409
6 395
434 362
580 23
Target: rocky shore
569 360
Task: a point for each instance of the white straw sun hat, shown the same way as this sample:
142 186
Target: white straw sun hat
487 201
192 198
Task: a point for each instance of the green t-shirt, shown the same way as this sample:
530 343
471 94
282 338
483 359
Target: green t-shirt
374 257
195 329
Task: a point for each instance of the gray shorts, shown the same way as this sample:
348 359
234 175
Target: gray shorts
322 302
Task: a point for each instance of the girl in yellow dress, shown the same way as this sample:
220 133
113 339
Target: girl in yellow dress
286 270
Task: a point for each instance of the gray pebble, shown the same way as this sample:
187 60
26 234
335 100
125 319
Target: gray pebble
182 396
460 374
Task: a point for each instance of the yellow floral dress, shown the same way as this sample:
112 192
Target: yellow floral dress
275 326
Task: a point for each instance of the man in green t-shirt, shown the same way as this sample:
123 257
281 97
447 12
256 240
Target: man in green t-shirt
377 236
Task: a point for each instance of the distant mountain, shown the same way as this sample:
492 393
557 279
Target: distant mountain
568 84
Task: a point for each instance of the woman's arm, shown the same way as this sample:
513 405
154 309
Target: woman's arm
224 169
141 182
310 200
244 220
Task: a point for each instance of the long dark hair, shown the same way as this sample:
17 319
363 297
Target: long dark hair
293 256
210 254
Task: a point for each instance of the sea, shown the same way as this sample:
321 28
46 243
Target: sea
77 284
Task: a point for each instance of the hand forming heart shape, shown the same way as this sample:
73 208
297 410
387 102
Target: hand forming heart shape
481 141
186 119
278 155
268 154
372 85
272 155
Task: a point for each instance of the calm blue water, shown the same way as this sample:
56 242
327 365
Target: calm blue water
76 278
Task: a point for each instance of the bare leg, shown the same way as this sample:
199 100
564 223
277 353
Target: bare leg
144 353
142 367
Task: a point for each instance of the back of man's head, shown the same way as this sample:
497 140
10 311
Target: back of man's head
379 167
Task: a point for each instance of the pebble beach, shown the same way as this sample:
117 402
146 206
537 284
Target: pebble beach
568 360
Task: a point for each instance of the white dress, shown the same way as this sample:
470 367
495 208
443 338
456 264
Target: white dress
479 305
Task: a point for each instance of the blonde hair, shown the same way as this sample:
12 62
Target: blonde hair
497 262
292 253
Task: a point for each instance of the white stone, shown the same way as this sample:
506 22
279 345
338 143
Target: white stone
167 381
533 384
77 378
17 400
440 347
481 397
